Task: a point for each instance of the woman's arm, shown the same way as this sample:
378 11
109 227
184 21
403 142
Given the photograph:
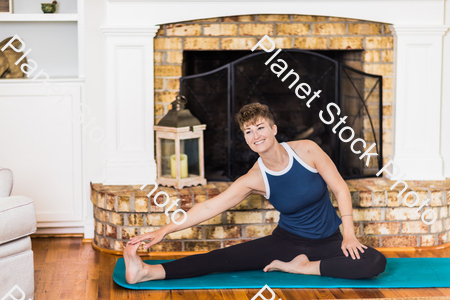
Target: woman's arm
233 195
334 180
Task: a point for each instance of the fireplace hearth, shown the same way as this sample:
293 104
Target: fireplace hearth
230 79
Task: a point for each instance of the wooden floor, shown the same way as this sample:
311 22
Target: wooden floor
65 268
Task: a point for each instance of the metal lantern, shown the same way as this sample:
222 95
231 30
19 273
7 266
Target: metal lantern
179 147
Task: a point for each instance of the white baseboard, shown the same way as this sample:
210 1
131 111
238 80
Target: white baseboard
60 230
86 228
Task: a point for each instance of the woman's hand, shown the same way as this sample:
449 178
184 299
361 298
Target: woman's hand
351 244
155 237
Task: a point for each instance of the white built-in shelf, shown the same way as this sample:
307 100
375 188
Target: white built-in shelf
38 17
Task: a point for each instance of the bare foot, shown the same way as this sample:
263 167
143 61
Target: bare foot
136 269
299 265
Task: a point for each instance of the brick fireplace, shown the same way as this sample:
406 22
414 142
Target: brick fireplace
289 32
399 49
380 220
200 46
408 54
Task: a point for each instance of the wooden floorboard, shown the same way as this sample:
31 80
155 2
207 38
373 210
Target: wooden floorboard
65 268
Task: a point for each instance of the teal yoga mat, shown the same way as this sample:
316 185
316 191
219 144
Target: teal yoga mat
399 273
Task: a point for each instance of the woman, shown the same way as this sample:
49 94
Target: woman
293 176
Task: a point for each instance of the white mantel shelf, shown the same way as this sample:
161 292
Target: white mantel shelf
55 17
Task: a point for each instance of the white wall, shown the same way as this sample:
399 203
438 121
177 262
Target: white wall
445 136
94 18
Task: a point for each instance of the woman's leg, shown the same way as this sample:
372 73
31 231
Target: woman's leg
281 250
252 255
371 263
331 261
335 264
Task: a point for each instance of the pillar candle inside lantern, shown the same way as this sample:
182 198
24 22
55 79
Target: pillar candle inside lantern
183 166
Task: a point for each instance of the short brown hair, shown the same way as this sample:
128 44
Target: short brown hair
250 113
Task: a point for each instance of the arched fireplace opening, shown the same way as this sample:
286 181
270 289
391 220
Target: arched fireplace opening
219 83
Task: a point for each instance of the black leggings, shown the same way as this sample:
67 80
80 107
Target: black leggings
284 246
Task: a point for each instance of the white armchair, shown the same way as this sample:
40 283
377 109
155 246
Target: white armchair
17 222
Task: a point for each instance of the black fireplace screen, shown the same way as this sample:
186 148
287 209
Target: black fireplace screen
215 97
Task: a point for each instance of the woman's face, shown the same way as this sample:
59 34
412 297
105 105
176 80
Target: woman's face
260 136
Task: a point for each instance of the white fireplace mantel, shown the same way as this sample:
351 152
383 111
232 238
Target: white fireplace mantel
418 27
417 109
151 12
129 105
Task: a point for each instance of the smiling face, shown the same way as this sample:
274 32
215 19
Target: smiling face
260 136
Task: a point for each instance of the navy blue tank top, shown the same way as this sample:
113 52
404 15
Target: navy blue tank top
301 196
